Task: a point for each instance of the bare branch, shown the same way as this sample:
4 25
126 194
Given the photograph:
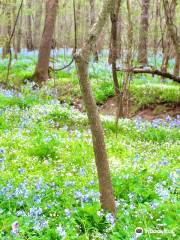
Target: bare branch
150 70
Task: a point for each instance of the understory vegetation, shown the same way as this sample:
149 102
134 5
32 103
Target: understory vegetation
144 89
48 179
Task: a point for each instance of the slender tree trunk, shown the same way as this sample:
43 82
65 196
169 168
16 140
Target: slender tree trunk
19 33
114 21
119 33
143 33
37 24
157 15
123 98
92 19
82 60
166 48
78 22
169 15
15 35
41 73
7 32
29 40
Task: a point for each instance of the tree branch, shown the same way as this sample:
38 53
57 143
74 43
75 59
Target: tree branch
152 71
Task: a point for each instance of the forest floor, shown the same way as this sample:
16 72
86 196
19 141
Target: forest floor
151 112
48 179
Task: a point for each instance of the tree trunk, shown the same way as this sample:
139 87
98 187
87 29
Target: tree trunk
7 32
123 100
14 37
41 73
92 18
29 40
119 33
37 24
169 15
19 33
82 60
157 15
143 33
166 48
114 23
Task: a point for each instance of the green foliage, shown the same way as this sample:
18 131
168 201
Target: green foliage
48 180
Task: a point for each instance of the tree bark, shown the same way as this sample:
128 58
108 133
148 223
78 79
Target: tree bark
169 15
41 73
157 15
82 60
143 33
7 31
14 37
19 33
37 24
152 71
29 40
113 48
128 63
92 20
166 48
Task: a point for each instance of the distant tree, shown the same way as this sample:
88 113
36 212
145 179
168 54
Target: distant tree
156 26
113 43
19 32
128 62
7 30
143 32
92 20
41 73
172 29
166 49
37 23
29 39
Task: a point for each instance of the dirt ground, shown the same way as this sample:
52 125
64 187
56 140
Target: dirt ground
149 113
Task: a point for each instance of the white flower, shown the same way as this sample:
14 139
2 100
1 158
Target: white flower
61 232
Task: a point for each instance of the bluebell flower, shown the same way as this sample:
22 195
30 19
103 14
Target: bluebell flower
61 232
40 225
110 218
82 172
67 212
91 182
20 213
35 212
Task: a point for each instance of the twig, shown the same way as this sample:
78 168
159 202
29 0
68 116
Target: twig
10 39
150 70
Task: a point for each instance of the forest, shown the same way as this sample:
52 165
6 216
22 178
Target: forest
89 119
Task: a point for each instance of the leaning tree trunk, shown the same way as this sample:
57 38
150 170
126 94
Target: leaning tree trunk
19 33
15 35
82 60
169 15
143 33
41 73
